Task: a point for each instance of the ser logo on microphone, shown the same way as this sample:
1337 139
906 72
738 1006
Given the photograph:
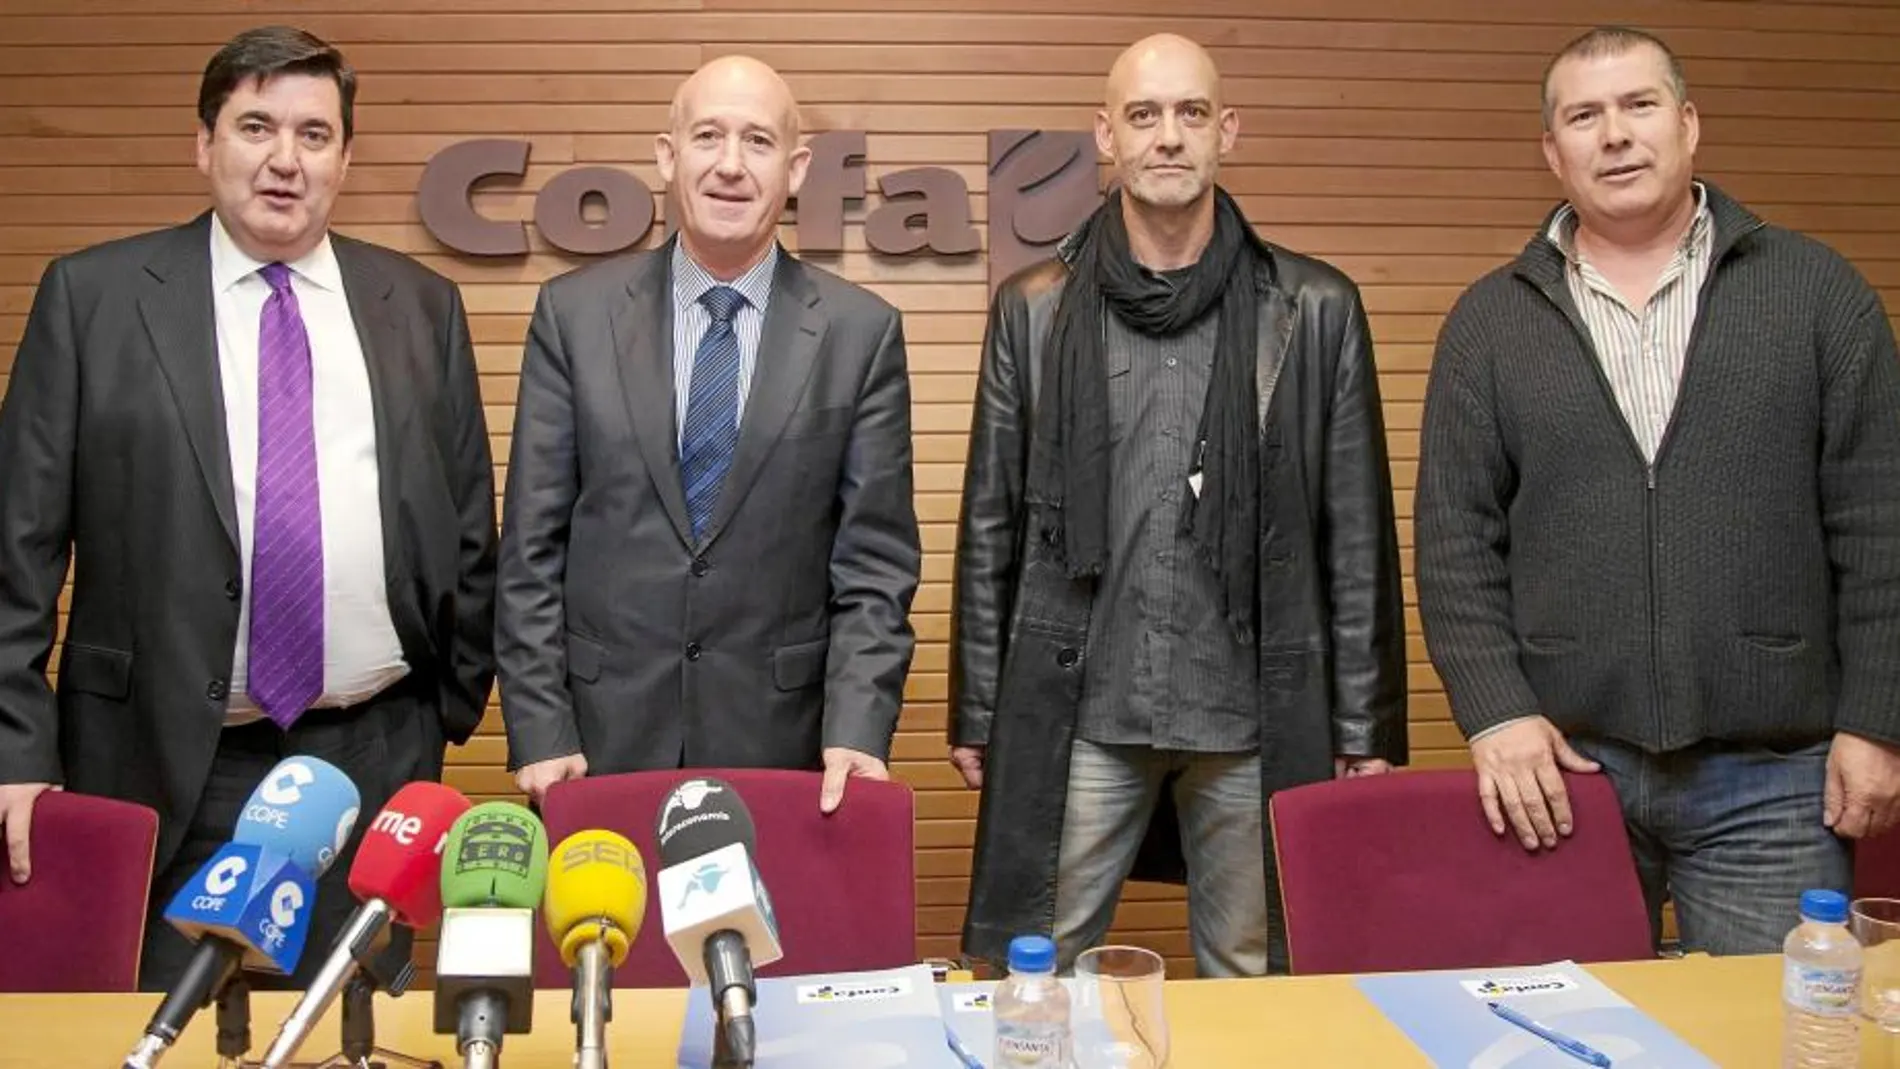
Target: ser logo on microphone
601 852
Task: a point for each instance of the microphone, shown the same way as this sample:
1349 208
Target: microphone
248 906
717 916
493 873
395 878
597 897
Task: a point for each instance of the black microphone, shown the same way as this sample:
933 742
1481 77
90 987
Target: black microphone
713 906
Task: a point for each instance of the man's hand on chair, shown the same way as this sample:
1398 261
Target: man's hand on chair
1518 778
535 779
842 763
16 818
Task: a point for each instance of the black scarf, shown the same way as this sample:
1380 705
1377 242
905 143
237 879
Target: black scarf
1069 457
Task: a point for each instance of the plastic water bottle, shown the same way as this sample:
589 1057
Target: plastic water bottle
1032 1009
1820 982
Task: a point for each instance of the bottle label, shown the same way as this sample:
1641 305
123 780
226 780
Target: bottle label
1821 991
1026 1045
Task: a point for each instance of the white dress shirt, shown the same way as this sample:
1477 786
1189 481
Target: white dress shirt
361 654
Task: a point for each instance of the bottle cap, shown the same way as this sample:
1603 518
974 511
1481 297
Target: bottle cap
1032 953
1828 907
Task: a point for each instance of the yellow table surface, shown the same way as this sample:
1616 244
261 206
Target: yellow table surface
1729 1008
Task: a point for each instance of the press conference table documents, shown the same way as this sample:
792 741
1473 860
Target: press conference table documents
1728 1008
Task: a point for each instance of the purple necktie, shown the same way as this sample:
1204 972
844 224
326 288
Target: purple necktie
286 653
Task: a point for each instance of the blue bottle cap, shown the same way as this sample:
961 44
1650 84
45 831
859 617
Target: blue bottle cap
1032 953
1828 907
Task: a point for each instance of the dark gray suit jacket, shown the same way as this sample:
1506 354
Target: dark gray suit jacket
113 448
788 629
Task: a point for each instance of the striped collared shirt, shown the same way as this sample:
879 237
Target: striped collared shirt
690 320
1641 350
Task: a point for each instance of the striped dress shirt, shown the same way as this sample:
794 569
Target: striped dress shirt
1641 350
690 320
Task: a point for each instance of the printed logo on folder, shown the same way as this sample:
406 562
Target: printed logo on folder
865 991
1491 987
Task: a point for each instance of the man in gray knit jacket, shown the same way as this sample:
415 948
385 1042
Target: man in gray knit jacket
1659 518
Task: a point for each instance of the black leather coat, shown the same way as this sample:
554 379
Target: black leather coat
1332 625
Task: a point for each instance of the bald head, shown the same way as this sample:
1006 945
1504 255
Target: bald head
732 160
1163 124
1164 56
731 78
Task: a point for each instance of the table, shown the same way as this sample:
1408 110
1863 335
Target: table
1729 1008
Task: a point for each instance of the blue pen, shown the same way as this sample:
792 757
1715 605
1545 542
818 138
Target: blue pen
1576 1048
957 1048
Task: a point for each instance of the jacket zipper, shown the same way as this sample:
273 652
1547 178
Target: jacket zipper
1650 566
1650 523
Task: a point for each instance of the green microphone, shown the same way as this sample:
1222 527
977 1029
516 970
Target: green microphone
494 869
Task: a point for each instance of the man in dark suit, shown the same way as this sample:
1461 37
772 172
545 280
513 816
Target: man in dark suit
710 548
265 445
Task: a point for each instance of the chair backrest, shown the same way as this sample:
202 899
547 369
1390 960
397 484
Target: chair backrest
92 874
1877 866
843 886
1401 872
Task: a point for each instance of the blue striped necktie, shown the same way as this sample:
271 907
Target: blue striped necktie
712 409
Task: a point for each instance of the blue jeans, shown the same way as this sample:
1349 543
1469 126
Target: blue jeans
1731 833
1112 795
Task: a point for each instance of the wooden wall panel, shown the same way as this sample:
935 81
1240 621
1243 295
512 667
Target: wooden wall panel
1396 138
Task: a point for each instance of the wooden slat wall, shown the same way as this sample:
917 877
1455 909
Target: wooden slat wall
1397 138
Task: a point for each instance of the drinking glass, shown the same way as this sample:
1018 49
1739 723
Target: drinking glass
1875 923
1120 1021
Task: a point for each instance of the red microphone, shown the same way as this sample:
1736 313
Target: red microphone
397 876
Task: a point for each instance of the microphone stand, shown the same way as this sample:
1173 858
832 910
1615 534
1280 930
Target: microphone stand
234 1022
358 1049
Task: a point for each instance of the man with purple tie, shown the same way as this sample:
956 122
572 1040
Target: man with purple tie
261 446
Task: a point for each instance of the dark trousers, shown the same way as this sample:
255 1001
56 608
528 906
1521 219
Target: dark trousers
391 739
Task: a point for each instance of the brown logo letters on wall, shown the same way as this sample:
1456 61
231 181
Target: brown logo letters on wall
1041 185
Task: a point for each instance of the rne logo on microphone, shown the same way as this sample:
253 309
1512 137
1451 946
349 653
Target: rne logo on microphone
399 826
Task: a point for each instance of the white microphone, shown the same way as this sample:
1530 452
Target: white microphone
713 906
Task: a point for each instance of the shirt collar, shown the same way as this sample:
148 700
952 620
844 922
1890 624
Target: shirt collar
231 265
691 281
1563 227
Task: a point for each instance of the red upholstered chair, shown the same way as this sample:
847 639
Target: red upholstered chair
1877 866
92 874
843 886
1401 872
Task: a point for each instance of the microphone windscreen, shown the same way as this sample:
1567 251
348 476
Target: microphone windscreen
400 859
700 816
597 890
497 856
305 809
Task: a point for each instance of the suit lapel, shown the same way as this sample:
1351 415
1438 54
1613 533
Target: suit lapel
788 348
393 373
182 321
643 339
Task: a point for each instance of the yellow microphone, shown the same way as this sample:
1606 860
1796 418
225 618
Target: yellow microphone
596 898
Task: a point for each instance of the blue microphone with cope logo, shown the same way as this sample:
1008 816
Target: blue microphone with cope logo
248 906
